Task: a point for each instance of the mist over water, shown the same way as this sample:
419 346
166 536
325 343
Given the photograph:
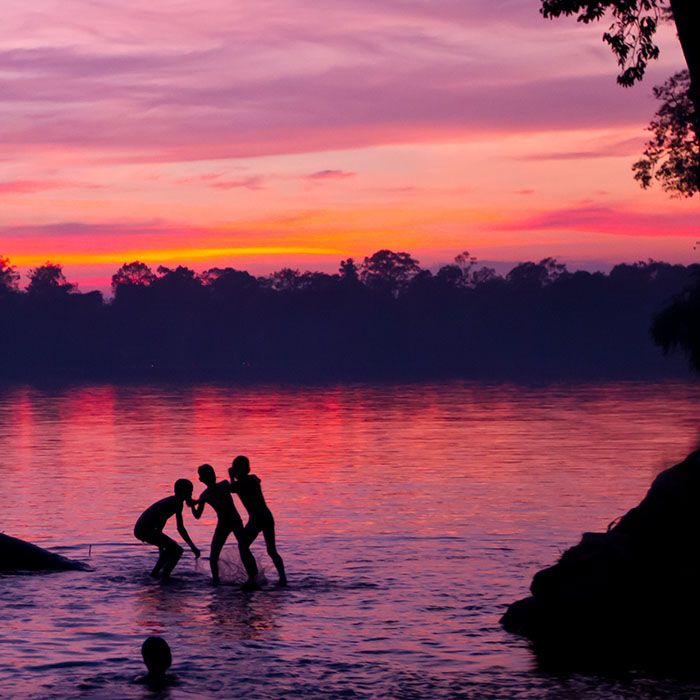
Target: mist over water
408 516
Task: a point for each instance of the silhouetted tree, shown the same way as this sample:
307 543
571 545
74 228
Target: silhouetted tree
387 271
9 277
451 275
529 274
554 269
673 155
318 282
483 275
678 325
631 38
177 281
228 283
348 272
465 260
404 322
286 280
48 279
133 273
631 35
458 274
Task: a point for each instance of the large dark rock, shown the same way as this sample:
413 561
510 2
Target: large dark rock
18 555
628 598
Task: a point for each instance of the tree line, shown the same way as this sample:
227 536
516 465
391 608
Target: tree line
385 318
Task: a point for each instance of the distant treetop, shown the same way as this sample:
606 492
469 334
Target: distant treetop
48 279
9 277
132 273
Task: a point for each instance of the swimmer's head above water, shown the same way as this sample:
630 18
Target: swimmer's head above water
156 655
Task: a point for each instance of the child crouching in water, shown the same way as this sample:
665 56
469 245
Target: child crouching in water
149 528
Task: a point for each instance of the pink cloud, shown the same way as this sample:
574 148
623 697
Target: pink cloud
97 233
217 181
230 81
32 186
300 113
250 183
606 220
624 148
330 175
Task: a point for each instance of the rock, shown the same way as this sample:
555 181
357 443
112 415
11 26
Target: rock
628 598
18 555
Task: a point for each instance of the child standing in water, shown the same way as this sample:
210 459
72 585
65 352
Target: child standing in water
149 528
218 496
248 488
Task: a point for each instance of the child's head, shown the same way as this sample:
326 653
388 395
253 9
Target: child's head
207 475
239 467
156 655
183 489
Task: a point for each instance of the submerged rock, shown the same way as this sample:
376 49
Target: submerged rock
628 598
18 555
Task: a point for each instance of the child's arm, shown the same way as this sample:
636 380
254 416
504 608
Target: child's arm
184 534
198 506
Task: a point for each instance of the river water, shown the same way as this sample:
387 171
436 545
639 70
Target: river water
408 517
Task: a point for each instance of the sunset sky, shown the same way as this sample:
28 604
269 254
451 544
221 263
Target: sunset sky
287 133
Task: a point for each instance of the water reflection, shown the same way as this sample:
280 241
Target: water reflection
408 517
249 616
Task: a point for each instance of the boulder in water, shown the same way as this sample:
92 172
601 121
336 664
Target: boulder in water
18 555
627 598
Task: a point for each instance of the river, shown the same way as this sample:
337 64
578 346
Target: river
408 517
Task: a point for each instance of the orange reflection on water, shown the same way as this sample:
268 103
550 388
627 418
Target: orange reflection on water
86 460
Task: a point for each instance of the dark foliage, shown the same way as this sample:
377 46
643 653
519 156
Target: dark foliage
678 325
135 273
631 35
391 320
9 277
388 272
673 155
48 281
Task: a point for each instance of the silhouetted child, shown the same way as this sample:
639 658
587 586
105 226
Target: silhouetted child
260 519
149 527
157 657
218 496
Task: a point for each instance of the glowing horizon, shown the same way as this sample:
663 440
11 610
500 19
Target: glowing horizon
160 256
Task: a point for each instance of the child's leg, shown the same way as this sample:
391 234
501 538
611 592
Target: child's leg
244 550
162 558
173 558
217 544
170 553
251 530
269 535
